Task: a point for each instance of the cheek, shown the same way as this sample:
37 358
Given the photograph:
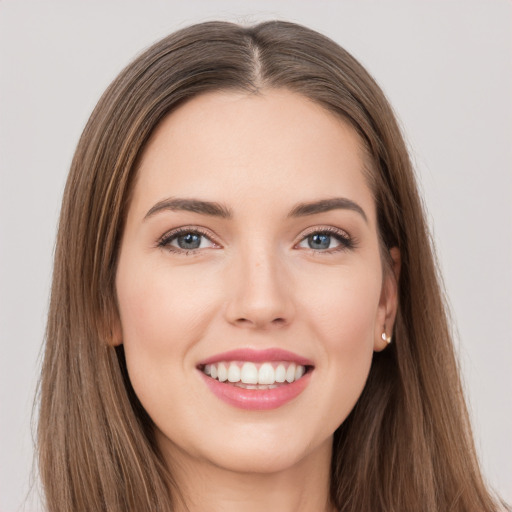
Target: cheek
343 316
343 304
161 310
162 317
164 312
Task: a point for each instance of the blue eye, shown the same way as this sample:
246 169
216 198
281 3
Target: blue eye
188 241
319 241
185 240
326 241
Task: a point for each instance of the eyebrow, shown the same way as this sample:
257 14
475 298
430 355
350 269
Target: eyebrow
191 205
325 205
219 210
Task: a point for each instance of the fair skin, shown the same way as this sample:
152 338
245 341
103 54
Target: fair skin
257 271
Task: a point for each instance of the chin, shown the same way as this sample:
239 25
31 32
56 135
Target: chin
262 453
259 461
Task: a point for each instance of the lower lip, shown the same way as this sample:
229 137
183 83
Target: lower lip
256 399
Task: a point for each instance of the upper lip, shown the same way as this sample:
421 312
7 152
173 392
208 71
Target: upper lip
257 356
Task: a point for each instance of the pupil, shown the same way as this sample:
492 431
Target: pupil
189 241
319 241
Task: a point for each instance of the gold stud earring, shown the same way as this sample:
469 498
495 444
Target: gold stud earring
386 338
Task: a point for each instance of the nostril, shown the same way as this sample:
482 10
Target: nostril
243 321
277 322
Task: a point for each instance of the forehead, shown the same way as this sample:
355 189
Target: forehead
234 146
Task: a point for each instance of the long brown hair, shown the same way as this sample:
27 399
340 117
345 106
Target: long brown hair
406 446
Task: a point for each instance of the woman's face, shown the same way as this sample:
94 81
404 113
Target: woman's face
250 286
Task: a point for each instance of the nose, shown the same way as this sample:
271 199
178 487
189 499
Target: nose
260 293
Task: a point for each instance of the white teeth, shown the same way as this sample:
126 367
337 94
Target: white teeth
290 373
255 376
222 372
266 375
280 373
249 373
233 373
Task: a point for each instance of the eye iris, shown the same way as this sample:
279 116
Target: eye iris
189 241
319 241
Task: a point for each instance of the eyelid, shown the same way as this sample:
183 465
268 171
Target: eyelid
324 229
168 236
346 241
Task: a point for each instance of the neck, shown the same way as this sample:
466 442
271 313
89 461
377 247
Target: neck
303 487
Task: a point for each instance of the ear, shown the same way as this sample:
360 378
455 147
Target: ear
116 338
388 304
113 330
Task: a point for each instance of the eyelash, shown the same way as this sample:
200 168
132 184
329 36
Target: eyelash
346 242
165 241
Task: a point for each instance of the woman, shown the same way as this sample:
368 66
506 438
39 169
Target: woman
245 309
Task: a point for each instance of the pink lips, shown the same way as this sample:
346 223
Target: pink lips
257 399
258 356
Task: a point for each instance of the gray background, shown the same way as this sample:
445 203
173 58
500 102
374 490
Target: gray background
446 67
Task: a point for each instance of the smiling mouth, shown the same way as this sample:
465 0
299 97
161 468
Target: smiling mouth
249 375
